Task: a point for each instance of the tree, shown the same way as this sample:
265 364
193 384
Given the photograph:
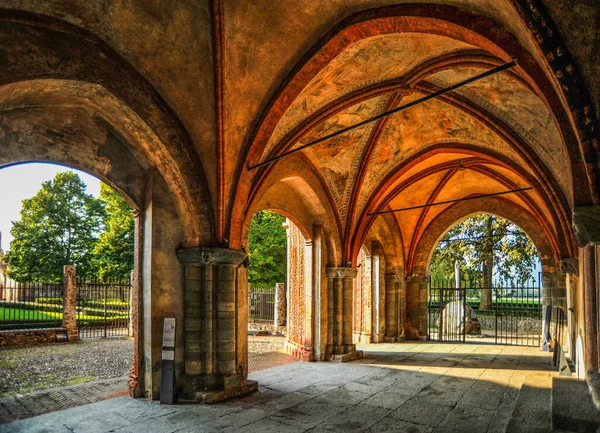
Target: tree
58 227
485 244
113 252
267 250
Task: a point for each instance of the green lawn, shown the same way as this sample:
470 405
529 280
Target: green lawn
11 314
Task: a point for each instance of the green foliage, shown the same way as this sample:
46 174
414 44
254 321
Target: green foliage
267 250
58 226
113 252
483 242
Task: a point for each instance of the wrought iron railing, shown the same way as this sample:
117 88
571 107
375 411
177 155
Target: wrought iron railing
103 308
261 304
30 305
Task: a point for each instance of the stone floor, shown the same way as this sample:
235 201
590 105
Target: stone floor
418 387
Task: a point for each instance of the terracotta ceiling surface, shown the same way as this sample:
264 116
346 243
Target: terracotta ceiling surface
484 138
367 62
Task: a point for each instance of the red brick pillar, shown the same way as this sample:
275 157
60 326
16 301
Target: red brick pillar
280 305
70 302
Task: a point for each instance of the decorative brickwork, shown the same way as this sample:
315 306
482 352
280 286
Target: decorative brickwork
296 340
362 299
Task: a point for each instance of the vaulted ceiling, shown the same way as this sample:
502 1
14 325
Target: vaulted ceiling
493 135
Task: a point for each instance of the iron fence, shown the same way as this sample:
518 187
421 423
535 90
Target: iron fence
261 304
30 305
103 308
510 314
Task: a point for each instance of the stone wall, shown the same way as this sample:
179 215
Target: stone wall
31 337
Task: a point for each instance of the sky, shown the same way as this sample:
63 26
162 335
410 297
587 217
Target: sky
19 182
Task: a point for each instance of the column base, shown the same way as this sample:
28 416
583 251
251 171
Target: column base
233 386
390 339
346 357
298 351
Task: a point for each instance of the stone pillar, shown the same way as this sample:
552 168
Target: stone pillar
395 307
591 309
549 285
69 321
280 305
340 282
416 307
213 369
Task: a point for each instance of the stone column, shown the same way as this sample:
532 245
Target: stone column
591 309
416 307
280 305
586 223
340 282
69 321
549 286
214 370
395 305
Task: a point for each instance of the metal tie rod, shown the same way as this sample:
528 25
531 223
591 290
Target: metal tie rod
512 191
389 113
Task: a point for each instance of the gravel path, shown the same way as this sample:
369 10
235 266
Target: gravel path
29 369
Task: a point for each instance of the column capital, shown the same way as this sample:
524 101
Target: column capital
586 223
341 272
394 278
569 266
416 278
201 256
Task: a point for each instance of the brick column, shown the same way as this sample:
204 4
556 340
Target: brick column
340 282
214 370
280 305
70 302
416 307
395 307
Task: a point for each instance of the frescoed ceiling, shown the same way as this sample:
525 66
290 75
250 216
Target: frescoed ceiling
495 134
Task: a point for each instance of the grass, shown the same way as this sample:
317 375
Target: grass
18 314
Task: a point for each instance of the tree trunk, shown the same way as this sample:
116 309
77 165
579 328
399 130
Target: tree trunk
488 267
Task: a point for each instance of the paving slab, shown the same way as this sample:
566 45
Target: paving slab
416 387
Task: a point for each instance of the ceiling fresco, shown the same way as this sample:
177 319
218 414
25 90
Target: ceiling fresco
368 61
493 135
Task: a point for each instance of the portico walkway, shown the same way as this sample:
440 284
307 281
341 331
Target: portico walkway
417 387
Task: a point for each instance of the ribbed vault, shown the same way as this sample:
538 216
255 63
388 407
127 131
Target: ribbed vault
500 133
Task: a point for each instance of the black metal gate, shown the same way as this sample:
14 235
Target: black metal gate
501 314
103 308
447 315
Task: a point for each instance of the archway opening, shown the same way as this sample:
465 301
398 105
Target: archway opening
66 276
280 290
484 284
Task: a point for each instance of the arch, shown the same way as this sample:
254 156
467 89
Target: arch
494 205
389 187
56 50
449 21
297 193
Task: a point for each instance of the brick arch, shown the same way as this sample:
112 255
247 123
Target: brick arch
58 53
295 192
479 31
385 230
537 231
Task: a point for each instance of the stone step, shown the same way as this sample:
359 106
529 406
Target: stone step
533 409
572 407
